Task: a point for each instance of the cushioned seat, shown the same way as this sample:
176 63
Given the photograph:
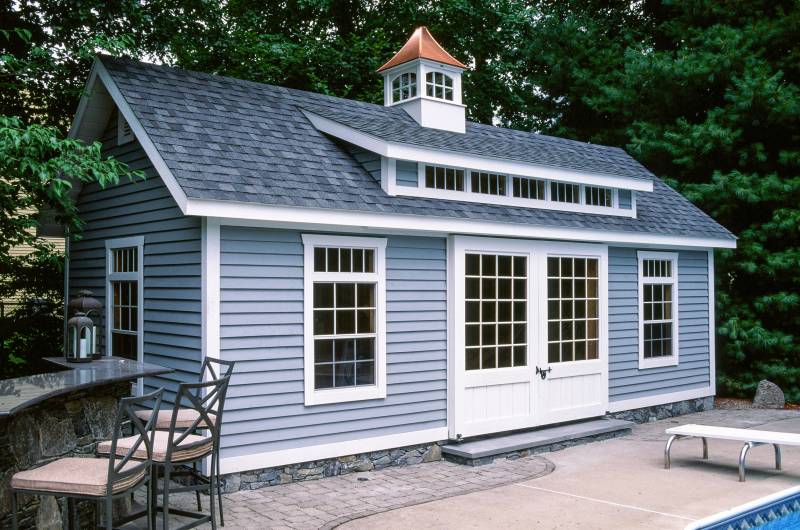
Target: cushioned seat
179 454
185 420
81 476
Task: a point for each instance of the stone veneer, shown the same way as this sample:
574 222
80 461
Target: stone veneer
331 467
66 425
669 410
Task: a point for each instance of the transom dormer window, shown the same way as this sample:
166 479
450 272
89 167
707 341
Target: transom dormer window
488 183
439 86
404 86
444 178
596 196
525 188
563 192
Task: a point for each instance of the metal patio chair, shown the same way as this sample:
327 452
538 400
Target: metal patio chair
100 479
187 416
177 448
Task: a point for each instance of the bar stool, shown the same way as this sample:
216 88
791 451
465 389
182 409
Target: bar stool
187 416
97 479
175 449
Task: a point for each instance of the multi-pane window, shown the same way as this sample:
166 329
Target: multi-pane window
404 86
444 178
123 282
564 192
439 85
344 327
496 298
526 188
658 306
597 196
488 183
573 321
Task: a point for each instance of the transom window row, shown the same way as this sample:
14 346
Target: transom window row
337 259
497 184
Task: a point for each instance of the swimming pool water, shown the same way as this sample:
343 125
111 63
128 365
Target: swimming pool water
781 513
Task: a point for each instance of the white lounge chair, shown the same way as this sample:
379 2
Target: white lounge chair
751 438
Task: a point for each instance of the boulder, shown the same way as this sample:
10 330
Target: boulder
768 396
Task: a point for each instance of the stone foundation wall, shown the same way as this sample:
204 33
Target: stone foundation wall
660 412
68 425
250 480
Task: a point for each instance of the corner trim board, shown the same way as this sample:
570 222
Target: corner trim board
210 288
236 464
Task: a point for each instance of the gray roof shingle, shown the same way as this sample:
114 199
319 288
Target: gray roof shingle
233 140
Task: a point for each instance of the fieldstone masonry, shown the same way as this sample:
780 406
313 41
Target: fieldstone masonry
660 412
769 396
69 425
332 467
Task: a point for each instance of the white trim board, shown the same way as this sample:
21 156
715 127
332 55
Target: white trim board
712 322
249 214
210 288
450 158
660 399
235 464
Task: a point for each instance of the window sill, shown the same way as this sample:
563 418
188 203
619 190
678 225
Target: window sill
343 395
657 362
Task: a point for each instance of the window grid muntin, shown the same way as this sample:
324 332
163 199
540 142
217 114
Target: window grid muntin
404 86
125 259
444 178
529 188
344 259
573 304
488 183
496 305
658 308
598 196
439 86
565 192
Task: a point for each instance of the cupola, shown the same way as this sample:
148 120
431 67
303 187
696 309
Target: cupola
425 81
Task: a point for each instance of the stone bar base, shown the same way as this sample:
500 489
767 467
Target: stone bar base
669 410
70 425
330 467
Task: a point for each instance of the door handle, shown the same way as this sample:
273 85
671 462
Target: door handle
541 372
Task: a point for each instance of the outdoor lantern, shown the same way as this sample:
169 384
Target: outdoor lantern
91 308
80 338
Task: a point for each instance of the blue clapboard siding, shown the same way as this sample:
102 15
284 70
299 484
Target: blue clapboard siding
172 260
626 381
262 329
625 199
407 173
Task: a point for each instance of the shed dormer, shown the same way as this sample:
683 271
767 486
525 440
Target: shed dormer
425 81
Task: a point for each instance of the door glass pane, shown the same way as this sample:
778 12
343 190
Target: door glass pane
572 309
496 317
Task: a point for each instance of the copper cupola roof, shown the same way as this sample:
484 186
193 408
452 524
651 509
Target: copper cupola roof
421 45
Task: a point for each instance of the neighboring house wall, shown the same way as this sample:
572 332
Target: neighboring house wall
626 380
261 318
172 260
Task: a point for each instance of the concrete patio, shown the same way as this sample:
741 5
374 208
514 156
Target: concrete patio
616 483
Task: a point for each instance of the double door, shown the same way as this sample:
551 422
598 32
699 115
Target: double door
528 328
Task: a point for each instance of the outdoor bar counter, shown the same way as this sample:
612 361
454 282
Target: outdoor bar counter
64 413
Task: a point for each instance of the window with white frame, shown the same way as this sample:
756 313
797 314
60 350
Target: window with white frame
573 318
404 86
658 309
124 307
444 178
496 298
345 318
439 85
526 188
488 183
564 192
597 196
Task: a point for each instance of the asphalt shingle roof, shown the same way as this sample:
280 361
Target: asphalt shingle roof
233 140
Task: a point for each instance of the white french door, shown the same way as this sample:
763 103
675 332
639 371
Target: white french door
513 305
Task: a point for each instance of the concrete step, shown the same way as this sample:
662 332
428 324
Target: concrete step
484 450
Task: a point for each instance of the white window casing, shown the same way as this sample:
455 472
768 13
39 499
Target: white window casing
665 275
314 396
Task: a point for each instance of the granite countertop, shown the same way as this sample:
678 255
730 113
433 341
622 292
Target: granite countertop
23 392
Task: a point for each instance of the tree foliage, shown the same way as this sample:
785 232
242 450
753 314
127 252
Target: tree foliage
703 92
